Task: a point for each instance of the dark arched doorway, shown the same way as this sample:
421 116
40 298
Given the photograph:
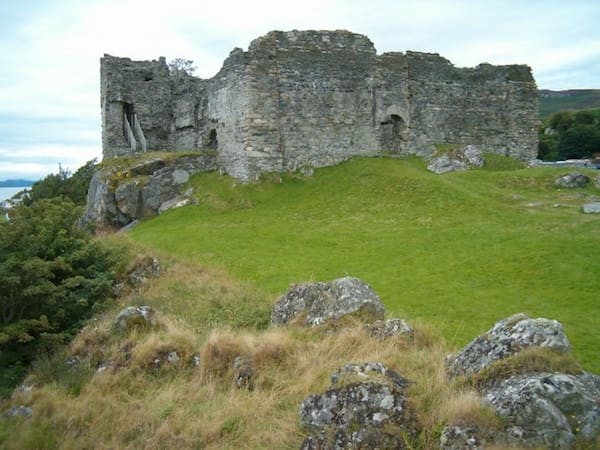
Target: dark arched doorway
392 135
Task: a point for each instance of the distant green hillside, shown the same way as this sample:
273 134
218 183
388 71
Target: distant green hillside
459 251
574 99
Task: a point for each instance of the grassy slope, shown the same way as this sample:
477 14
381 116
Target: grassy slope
577 100
459 251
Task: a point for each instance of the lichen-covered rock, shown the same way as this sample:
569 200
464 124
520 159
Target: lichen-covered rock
19 411
119 196
317 303
508 337
243 372
457 159
383 329
591 208
572 180
134 317
460 438
365 407
549 410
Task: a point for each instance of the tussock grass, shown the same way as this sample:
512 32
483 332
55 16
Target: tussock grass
136 403
529 360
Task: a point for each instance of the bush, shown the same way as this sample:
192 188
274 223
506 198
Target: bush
52 276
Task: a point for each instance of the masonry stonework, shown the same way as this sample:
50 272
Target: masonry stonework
316 98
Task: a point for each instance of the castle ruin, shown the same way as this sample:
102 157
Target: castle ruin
316 98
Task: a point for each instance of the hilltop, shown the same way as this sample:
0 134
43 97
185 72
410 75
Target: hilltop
572 99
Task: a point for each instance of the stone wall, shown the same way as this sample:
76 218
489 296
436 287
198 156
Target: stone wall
315 98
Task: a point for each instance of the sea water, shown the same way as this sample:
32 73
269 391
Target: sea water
8 192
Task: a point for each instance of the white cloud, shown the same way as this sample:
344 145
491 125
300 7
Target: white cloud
49 83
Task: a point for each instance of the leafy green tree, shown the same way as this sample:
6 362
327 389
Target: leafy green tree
548 147
63 184
52 277
584 118
562 120
580 141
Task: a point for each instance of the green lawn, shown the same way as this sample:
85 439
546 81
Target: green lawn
459 250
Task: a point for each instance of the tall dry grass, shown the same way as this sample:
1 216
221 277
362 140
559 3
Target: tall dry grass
138 403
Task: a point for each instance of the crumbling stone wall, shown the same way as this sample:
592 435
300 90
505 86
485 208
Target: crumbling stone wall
315 98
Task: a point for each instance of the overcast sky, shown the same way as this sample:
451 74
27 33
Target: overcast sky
50 51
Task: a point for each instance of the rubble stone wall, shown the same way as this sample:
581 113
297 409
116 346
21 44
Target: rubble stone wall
316 98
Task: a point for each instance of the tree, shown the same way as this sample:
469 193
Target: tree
63 184
584 118
580 141
562 120
548 147
52 277
179 66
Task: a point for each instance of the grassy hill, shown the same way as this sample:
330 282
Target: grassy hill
450 253
459 251
575 99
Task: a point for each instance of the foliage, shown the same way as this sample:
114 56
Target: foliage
568 135
52 277
179 66
63 184
579 141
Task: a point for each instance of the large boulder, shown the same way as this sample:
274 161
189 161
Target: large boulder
539 408
365 407
461 158
572 180
317 303
548 410
506 338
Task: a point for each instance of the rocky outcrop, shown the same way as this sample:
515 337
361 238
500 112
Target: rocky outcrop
540 409
461 158
572 180
120 194
549 410
365 407
134 317
508 337
318 303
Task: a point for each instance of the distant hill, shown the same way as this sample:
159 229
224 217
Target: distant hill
16 183
572 99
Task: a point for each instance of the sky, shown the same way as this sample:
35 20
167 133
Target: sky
50 52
